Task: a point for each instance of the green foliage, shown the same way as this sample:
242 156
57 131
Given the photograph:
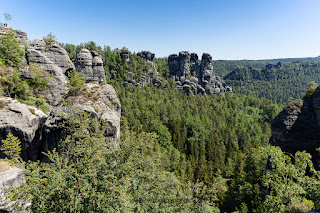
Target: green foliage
50 39
28 90
286 181
88 175
197 126
312 86
273 82
10 51
11 146
76 83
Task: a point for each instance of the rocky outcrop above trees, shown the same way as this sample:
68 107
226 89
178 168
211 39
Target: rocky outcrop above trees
146 55
193 77
90 64
39 132
150 76
297 127
100 101
53 59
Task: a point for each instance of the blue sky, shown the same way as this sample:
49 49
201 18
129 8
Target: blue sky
227 29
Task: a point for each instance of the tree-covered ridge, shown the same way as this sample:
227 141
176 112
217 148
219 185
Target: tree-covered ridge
278 82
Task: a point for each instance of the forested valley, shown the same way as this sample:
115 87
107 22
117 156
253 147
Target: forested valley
177 152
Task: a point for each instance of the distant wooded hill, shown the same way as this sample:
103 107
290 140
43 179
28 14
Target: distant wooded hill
275 79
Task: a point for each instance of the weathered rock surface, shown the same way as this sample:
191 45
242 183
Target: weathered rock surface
101 102
40 133
150 76
11 177
186 68
297 127
35 129
23 121
146 55
90 64
53 59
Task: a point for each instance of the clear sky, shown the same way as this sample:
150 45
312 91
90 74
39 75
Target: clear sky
227 29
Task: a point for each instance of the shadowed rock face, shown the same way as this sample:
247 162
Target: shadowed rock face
25 122
125 55
297 127
146 55
90 64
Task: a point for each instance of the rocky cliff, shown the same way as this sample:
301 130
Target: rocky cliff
11 177
297 127
193 77
39 132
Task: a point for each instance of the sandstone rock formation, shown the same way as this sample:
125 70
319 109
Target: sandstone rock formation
11 177
53 59
23 121
146 55
150 76
297 127
37 131
90 64
100 101
194 78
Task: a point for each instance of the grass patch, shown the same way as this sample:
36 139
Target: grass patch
4 165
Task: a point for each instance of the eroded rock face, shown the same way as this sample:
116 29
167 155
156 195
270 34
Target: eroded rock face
185 68
11 177
103 105
90 64
37 131
26 123
146 55
297 127
53 59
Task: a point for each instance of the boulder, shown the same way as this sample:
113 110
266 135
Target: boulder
194 58
54 60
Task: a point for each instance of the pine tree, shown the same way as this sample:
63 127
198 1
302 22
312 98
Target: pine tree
10 51
11 146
